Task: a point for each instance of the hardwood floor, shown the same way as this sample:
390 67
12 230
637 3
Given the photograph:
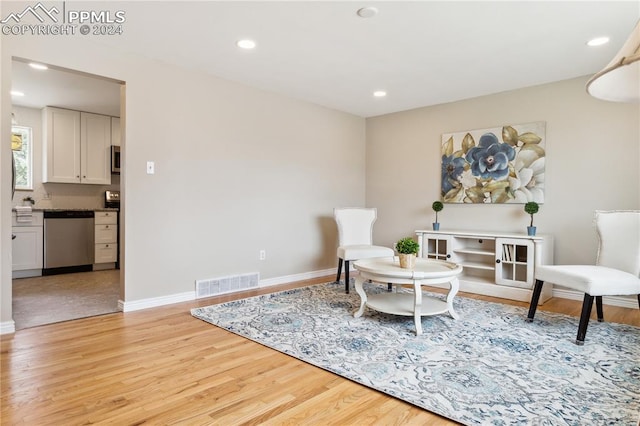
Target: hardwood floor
162 366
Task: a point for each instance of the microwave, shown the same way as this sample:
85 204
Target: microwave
115 159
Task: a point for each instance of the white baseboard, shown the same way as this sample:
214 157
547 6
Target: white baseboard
154 302
622 301
296 277
7 327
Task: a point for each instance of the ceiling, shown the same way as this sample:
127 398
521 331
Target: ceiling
421 53
65 89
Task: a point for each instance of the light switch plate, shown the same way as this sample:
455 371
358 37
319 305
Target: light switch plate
151 167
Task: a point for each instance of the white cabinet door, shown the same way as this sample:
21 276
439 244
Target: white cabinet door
26 248
61 147
514 262
95 148
435 246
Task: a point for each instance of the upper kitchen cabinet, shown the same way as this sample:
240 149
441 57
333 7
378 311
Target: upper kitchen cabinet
115 131
95 149
77 147
61 155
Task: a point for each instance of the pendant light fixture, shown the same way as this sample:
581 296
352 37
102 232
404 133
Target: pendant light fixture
619 81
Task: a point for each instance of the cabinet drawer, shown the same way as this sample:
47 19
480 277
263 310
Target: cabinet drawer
106 234
103 218
106 253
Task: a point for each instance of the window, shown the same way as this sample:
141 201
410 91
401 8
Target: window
21 144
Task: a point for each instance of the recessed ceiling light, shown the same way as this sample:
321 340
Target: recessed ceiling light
598 41
379 93
16 93
36 66
367 12
246 44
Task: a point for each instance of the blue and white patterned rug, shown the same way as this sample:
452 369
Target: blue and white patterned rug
488 367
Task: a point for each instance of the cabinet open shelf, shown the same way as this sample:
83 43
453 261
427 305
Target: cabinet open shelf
484 266
478 252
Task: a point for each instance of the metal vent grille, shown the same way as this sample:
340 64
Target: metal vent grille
230 284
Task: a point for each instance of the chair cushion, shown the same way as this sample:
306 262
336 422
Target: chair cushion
363 251
594 280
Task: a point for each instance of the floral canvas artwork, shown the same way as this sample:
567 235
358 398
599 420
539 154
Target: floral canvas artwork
499 165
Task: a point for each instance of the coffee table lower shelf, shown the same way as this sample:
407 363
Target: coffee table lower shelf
403 304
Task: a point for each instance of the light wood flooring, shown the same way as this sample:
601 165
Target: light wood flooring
162 366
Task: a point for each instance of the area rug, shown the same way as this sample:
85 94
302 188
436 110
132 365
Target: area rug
488 367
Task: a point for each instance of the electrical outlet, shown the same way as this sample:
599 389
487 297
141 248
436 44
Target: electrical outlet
263 254
46 196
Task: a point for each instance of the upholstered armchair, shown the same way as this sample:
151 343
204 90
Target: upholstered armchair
355 236
616 272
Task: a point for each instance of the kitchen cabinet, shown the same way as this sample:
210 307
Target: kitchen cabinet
27 246
115 131
77 147
106 240
61 147
95 149
494 264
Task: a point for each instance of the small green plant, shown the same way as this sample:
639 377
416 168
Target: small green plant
531 208
437 206
407 246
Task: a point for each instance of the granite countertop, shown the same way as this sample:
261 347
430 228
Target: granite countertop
102 209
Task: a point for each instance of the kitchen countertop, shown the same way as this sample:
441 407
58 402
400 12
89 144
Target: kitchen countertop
103 209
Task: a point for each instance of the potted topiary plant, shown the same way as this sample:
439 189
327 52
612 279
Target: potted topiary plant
407 250
436 206
531 208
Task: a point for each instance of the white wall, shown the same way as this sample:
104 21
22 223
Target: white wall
237 170
592 162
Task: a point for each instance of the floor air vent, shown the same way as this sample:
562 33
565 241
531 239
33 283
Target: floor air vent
230 284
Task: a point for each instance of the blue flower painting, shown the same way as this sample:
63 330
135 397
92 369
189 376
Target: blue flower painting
501 165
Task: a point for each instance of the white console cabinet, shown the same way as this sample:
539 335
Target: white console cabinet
494 264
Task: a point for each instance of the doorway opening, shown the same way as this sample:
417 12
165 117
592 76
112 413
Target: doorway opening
98 102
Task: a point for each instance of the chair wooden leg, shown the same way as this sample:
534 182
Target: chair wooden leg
587 304
339 270
535 297
346 276
599 308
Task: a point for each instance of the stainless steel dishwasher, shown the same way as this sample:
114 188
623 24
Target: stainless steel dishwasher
68 241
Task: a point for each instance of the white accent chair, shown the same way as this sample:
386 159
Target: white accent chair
355 236
616 272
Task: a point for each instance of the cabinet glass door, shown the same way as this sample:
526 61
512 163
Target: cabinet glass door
436 246
514 262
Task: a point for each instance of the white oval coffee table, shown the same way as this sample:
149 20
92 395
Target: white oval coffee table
425 272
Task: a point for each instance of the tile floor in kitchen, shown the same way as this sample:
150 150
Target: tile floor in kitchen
54 298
